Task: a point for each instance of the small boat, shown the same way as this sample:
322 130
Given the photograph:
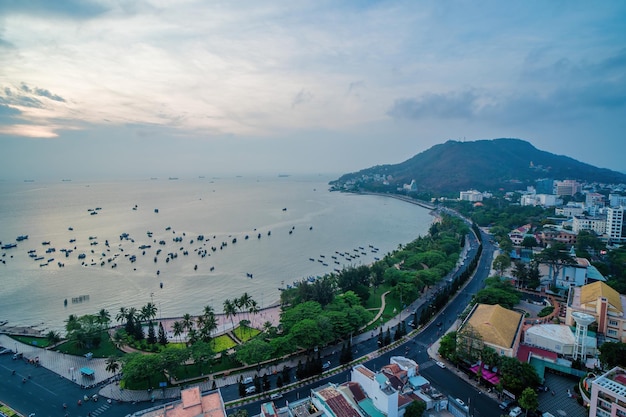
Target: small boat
161 285
21 237
47 242
9 246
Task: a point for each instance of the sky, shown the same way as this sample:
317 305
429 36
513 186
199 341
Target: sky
143 88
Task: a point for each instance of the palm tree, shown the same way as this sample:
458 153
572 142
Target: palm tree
121 315
253 307
148 311
188 323
207 323
113 364
244 300
104 318
178 328
230 310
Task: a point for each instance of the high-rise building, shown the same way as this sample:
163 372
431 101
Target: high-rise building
608 394
567 187
615 227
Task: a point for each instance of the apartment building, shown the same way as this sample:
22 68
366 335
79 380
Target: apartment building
608 394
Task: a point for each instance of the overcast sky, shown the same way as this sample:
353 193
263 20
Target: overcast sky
200 87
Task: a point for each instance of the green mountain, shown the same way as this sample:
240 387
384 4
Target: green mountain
485 165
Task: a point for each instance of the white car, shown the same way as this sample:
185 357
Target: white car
248 380
251 390
440 364
276 396
515 412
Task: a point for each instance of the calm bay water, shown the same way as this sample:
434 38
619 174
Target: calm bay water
295 228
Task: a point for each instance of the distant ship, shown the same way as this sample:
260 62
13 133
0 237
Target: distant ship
172 178
283 175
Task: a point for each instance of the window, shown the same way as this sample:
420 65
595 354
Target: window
613 323
611 332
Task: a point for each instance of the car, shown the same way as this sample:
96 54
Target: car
5 351
412 323
248 380
460 401
251 390
505 405
326 365
440 364
276 396
515 412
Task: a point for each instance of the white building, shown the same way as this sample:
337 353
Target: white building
616 200
615 227
595 223
471 195
557 338
570 210
608 394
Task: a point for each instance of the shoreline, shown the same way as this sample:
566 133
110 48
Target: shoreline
7 327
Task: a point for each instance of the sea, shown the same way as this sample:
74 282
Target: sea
182 243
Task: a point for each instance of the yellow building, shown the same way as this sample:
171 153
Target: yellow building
602 302
498 327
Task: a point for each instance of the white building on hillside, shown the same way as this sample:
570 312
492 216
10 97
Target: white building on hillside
597 224
615 227
471 195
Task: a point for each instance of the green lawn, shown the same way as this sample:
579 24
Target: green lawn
245 333
222 343
106 349
41 342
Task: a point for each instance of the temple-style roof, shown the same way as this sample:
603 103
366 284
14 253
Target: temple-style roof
590 293
496 325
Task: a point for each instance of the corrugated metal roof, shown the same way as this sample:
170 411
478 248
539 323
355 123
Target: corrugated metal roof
591 292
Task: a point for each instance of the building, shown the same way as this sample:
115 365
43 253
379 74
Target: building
545 200
567 187
597 224
193 403
594 199
332 400
577 275
616 200
544 186
602 302
471 195
570 210
608 394
557 338
497 327
547 236
615 226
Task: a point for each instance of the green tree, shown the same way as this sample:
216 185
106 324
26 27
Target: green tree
502 263
112 364
529 242
556 257
201 353
53 337
254 351
138 368
613 354
529 400
171 358
162 336
415 409
447 346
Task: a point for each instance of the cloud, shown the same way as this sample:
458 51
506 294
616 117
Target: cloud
48 8
8 112
454 105
303 96
45 93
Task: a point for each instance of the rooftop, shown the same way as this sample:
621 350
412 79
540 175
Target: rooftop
613 381
496 325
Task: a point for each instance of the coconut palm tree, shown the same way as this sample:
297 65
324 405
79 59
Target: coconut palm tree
113 364
121 315
188 322
230 310
178 328
148 312
104 318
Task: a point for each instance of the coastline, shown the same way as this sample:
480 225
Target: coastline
40 329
